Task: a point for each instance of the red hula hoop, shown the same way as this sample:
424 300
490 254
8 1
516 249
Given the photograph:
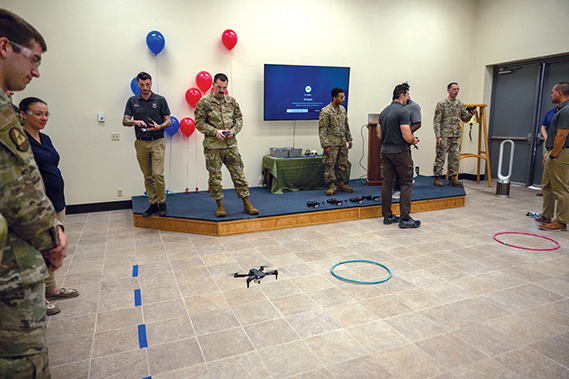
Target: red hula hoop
528 248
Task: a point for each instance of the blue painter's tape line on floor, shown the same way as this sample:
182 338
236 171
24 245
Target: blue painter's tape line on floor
142 336
137 298
134 271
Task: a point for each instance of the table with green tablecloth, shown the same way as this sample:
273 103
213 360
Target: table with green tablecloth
294 174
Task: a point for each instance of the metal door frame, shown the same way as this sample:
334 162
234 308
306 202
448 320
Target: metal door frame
537 112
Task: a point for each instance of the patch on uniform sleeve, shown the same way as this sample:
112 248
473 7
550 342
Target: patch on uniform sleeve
321 123
7 117
19 139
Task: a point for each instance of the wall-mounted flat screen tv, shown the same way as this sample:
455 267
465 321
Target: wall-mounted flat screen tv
299 92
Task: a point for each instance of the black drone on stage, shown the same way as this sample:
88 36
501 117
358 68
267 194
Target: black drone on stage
255 275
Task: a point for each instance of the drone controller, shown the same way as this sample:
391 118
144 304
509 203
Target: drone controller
335 201
313 203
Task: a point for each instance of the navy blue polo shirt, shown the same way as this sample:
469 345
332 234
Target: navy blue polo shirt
391 119
548 117
155 107
47 159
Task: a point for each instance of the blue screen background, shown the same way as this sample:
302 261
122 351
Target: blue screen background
286 96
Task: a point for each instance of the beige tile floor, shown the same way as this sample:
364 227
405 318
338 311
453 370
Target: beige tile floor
459 305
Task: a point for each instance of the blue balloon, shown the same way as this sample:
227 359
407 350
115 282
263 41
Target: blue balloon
134 86
173 129
155 41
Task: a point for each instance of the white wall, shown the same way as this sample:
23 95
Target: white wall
507 31
96 48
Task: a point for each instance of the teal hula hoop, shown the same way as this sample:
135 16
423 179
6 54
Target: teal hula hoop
361 281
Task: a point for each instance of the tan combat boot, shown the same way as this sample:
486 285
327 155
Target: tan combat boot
220 209
344 188
438 181
331 190
248 208
455 183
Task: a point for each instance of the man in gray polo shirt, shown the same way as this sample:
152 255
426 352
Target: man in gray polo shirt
555 181
145 112
396 137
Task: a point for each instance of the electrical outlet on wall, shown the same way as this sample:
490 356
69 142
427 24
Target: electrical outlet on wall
115 137
119 192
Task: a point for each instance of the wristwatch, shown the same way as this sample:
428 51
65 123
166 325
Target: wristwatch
552 157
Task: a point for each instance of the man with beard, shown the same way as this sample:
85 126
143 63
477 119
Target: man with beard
145 112
394 132
555 181
219 118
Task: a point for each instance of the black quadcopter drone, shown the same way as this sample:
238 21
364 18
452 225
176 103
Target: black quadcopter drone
255 275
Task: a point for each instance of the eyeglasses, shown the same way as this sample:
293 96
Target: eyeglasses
36 59
38 114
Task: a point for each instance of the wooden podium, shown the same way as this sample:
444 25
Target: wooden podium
373 157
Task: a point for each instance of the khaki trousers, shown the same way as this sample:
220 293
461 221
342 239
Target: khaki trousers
150 156
50 281
555 185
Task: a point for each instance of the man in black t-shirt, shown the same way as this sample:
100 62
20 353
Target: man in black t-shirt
395 134
145 112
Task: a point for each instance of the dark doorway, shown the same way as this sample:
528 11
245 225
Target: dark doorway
520 99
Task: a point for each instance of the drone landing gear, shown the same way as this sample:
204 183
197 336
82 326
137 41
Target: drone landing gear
255 275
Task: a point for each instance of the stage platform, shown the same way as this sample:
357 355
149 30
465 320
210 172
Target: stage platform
195 212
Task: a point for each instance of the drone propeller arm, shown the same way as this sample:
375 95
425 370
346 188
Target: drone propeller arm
238 275
275 273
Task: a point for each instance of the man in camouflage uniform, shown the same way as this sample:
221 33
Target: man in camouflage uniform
3 234
448 114
35 237
219 118
334 133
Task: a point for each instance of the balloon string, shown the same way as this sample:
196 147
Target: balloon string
231 73
170 166
187 155
157 83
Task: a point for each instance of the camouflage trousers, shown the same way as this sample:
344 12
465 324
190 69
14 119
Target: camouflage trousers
23 345
28 367
214 159
335 164
450 147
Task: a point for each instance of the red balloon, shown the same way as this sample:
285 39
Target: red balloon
203 80
229 39
187 126
193 95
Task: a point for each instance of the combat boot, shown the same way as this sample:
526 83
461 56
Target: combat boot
162 209
220 209
248 208
344 188
438 182
454 183
152 209
331 190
